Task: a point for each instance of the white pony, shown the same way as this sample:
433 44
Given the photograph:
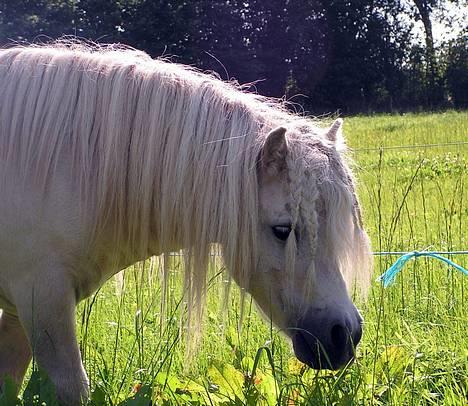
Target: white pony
108 157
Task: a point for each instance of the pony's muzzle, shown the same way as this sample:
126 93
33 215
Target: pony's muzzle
327 342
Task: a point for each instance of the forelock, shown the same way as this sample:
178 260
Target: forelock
304 193
318 172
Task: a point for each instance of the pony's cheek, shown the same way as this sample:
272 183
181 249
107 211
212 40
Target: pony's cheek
267 289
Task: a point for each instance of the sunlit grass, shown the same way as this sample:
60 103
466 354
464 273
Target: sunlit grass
414 349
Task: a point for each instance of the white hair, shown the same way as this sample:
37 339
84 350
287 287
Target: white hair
160 149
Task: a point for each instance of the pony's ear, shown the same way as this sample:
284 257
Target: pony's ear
336 130
335 134
273 154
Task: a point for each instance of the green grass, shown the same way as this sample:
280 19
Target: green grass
414 350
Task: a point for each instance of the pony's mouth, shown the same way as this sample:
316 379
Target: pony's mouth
309 350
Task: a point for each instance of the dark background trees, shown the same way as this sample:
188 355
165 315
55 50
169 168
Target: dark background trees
351 55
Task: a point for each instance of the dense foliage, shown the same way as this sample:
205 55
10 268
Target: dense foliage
352 55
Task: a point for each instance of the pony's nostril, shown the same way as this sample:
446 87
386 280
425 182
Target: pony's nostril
357 334
339 336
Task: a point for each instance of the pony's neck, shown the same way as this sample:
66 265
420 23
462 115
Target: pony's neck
178 165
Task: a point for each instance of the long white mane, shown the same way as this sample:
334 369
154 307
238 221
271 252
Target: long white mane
158 149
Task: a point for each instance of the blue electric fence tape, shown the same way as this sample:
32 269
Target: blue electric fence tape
389 276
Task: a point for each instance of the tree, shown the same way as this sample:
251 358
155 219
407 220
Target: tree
368 43
159 27
424 12
262 42
27 20
457 71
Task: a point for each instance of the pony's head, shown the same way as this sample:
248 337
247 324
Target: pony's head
310 244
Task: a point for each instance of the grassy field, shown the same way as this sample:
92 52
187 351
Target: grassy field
415 345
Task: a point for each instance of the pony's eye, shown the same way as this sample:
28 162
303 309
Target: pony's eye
281 232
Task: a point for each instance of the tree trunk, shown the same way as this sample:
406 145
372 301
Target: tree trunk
424 9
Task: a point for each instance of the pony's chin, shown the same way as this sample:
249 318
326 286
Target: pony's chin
311 354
